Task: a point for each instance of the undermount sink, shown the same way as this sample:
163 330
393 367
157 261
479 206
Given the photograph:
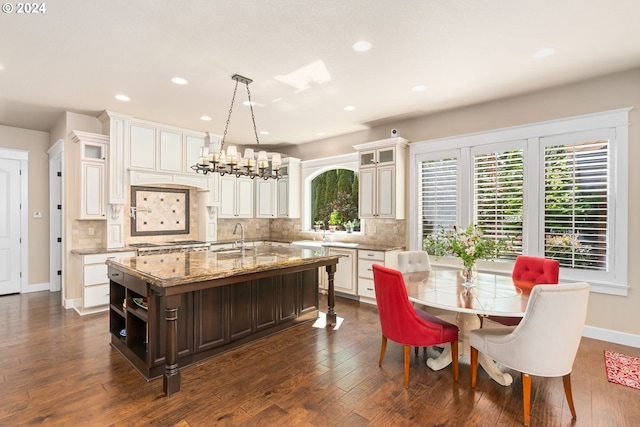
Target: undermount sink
307 244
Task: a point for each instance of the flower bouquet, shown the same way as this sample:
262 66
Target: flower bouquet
468 244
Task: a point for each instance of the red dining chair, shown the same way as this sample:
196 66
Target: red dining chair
527 272
404 324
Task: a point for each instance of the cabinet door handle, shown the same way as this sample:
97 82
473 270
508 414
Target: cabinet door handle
369 289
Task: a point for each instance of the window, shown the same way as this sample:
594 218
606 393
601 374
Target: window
334 199
554 189
498 194
345 165
438 191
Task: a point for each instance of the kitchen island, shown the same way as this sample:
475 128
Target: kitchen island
169 311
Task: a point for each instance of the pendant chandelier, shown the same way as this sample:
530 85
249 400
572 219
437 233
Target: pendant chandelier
214 159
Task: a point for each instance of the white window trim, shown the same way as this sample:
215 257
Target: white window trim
315 167
615 119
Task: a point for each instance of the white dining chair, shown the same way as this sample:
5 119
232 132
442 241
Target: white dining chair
410 261
545 342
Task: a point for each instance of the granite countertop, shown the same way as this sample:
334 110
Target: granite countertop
368 247
179 268
93 251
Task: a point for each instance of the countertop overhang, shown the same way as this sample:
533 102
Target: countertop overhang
182 268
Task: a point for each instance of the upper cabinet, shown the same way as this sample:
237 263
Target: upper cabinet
289 187
381 178
92 173
236 197
155 149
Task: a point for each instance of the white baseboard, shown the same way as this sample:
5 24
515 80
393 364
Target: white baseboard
72 303
36 287
611 336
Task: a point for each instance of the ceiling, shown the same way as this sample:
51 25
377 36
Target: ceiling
77 55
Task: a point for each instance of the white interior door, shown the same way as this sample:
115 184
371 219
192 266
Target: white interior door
10 261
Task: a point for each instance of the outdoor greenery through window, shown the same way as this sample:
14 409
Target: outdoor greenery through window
558 195
576 204
334 200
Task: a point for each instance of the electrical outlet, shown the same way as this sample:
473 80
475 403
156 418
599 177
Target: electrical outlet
37 214
92 231
395 229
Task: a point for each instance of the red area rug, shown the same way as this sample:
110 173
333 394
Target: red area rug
622 369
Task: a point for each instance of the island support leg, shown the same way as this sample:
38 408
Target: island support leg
171 378
331 298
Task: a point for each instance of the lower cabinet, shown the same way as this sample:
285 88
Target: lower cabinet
95 282
210 321
366 259
345 280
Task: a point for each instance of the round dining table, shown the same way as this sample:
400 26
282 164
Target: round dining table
492 294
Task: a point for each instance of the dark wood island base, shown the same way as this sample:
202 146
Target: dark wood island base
196 305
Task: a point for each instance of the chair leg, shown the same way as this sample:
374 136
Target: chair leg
567 391
407 359
526 397
473 365
383 348
416 350
454 359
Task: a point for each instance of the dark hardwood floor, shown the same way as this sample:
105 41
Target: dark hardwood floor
57 368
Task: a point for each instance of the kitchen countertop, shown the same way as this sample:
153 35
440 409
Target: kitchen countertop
179 268
93 251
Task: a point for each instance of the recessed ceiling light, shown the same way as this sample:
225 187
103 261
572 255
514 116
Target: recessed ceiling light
179 81
419 88
320 134
264 132
361 46
205 118
543 53
1 67
121 97
349 108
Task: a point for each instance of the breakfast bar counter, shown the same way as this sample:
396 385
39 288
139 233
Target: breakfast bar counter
172 310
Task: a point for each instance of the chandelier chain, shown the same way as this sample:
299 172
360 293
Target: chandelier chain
226 126
253 118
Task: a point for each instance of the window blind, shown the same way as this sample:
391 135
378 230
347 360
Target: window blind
577 204
498 197
439 198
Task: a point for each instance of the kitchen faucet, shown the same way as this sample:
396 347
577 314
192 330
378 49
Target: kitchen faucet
235 232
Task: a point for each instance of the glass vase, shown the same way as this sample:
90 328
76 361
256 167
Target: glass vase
469 274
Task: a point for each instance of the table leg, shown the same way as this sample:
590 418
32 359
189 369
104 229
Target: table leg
491 368
467 322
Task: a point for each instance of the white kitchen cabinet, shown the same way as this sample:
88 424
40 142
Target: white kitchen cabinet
366 259
344 279
168 151
289 186
265 198
92 172
95 280
381 178
236 197
171 152
142 147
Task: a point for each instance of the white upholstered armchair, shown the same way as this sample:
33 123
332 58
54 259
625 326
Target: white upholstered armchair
545 342
410 261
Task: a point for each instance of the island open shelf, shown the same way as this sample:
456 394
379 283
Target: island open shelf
169 311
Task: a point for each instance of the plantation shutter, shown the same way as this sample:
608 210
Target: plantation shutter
438 190
498 196
576 179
